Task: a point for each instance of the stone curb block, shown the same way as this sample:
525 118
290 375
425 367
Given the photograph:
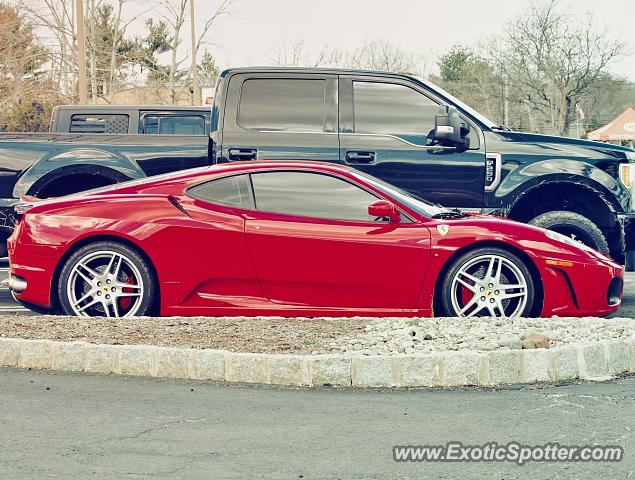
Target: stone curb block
596 361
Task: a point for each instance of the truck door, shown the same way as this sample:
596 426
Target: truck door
384 128
287 117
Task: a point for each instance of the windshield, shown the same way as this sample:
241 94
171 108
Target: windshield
410 200
463 106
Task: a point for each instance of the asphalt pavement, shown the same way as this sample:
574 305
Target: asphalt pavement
65 425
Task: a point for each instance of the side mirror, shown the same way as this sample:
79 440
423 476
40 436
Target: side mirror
449 129
383 208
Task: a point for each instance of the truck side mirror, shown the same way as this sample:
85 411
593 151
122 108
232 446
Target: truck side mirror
450 129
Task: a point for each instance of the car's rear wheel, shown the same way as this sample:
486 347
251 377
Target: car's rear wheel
106 279
488 282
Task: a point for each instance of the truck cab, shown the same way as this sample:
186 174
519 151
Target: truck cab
411 133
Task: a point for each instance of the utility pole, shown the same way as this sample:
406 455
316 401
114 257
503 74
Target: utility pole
81 52
195 88
506 100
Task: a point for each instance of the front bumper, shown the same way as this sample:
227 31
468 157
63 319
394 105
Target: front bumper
590 288
627 221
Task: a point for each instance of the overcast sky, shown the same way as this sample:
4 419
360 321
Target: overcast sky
257 29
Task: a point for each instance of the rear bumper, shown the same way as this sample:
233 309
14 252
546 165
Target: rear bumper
28 283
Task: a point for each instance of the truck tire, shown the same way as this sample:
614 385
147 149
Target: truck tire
574 225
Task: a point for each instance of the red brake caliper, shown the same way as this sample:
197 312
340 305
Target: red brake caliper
466 295
125 302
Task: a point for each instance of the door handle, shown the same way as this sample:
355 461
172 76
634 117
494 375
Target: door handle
242 154
360 158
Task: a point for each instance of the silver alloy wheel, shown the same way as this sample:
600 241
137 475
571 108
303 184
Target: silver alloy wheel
497 286
100 283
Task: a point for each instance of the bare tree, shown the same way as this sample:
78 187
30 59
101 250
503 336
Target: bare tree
55 19
551 62
376 55
175 16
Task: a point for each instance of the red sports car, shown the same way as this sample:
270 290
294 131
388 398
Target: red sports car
293 238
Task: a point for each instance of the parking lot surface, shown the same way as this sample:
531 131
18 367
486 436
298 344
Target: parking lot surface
78 425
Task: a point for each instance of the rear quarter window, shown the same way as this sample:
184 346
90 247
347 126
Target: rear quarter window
173 125
229 191
99 123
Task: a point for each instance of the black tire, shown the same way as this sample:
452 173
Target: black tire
466 258
145 306
574 225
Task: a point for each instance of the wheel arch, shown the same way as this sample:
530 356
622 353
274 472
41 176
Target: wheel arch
580 198
101 237
91 171
584 197
531 265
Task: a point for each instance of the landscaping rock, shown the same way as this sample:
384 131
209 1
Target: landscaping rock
535 341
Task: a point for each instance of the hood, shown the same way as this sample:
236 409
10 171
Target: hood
564 145
529 238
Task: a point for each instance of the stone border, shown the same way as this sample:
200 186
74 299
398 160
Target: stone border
598 361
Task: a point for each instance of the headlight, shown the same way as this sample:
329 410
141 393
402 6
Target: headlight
627 171
559 237
627 176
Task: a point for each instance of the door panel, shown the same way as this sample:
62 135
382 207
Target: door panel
325 263
388 123
290 118
215 270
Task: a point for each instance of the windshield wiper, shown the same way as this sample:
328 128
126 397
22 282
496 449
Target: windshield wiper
454 213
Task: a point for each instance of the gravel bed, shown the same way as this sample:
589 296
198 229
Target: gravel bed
427 335
320 335
256 335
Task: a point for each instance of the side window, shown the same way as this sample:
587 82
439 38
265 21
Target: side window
311 195
282 105
392 109
230 191
174 125
98 123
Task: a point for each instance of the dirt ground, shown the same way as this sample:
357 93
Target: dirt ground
258 335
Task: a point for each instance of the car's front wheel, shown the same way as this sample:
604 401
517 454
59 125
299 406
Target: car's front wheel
488 282
106 279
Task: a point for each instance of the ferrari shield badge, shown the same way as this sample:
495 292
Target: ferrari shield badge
443 229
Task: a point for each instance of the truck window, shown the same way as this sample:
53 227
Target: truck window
311 195
174 125
99 123
392 109
273 104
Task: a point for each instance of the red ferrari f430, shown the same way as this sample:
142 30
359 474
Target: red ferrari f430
293 239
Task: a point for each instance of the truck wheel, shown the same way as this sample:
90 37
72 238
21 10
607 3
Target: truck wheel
488 282
106 279
575 226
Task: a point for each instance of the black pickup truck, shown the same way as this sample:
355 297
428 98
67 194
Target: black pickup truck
397 127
